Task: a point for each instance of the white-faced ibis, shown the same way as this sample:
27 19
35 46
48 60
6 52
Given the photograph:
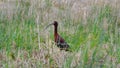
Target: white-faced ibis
60 42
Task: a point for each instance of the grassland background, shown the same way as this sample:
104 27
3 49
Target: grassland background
91 28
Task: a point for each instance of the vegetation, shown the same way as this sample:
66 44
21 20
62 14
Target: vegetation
93 35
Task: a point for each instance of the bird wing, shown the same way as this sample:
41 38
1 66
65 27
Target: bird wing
61 42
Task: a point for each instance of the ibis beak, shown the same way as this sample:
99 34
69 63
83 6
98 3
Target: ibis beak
48 25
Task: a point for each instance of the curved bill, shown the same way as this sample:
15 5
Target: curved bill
48 25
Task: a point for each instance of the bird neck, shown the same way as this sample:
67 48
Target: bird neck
55 33
55 30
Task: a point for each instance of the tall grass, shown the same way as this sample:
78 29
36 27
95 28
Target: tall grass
94 39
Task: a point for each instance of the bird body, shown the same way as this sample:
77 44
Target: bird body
60 42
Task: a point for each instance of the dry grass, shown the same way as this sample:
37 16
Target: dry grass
27 45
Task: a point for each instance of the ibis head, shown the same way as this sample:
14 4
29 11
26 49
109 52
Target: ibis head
55 23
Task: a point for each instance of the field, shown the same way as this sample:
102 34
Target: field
90 27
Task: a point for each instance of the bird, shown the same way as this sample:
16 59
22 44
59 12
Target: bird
59 41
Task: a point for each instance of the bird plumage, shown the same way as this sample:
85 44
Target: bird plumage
61 43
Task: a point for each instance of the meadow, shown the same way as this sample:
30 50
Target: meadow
91 28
